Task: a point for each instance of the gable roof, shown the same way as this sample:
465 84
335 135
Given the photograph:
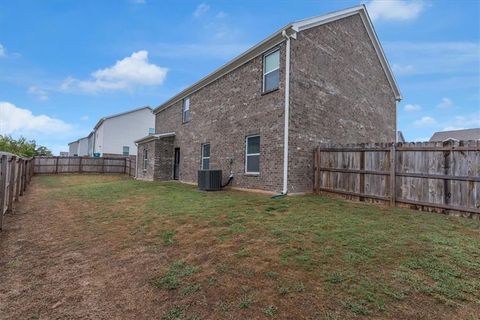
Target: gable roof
99 123
278 37
465 134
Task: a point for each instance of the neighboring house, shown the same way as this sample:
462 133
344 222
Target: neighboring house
260 116
83 147
91 141
78 148
73 149
115 135
400 137
465 134
64 154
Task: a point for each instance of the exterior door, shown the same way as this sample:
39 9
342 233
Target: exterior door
176 164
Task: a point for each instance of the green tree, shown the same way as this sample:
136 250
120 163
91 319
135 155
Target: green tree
22 147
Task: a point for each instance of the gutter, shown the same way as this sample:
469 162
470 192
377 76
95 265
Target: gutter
287 110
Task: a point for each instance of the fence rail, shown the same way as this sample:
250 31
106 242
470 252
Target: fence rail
56 165
15 175
430 176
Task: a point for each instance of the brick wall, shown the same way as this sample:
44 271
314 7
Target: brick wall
148 174
339 93
223 114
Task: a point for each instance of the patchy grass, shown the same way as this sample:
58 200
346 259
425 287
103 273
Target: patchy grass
234 254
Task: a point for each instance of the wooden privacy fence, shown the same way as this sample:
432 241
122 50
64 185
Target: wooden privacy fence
430 176
54 165
15 175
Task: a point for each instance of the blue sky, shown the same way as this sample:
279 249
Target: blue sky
65 64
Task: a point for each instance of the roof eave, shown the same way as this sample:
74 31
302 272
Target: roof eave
362 11
273 40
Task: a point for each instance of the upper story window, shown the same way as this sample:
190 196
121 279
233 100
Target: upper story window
145 159
126 150
271 71
205 156
151 130
252 155
186 110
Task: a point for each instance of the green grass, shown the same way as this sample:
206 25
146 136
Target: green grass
173 278
365 258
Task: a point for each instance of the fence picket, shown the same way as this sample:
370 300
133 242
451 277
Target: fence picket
428 176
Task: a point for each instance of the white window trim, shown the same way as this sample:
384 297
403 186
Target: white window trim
145 159
203 157
184 110
250 154
264 66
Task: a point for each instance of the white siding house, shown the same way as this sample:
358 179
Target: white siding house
115 135
73 148
83 147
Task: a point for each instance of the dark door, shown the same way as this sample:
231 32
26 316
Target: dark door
176 164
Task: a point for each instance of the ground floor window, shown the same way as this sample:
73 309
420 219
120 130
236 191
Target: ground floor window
206 156
145 159
126 150
252 154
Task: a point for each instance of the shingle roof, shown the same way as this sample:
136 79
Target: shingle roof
279 37
465 134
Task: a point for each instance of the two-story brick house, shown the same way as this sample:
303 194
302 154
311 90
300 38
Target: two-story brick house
260 116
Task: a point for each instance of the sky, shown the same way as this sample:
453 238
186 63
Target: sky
64 64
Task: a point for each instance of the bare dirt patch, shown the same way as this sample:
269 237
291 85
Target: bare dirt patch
103 247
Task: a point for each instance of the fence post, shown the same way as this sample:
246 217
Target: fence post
22 176
446 171
11 184
362 174
103 165
3 184
393 165
19 179
125 171
316 170
56 165
80 169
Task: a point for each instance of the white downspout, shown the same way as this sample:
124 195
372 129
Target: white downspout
286 114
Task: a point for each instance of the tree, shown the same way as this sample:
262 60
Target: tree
22 147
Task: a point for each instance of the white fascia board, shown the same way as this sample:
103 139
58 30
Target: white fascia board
263 46
362 11
155 137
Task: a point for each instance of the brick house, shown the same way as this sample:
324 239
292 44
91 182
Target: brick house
259 116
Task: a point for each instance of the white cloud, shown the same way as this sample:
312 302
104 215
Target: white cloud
412 107
84 118
221 15
399 10
462 122
129 72
2 51
433 57
15 120
446 103
403 69
452 128
38 92
425 121
201 10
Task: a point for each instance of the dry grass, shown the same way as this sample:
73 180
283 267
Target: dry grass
109 247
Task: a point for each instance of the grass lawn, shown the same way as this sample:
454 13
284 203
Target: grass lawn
110 247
